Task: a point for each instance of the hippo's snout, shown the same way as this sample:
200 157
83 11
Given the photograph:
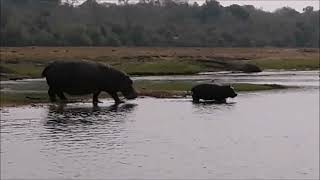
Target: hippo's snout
234 95
131 95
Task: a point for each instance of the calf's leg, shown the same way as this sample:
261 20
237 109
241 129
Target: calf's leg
195 99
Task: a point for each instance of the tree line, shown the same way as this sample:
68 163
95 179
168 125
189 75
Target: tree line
154 23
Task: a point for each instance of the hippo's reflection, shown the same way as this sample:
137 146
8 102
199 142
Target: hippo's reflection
59 115
208 102
63 108
210 107
69 128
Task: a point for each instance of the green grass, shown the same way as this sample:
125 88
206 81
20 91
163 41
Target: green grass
288 64
23 70
147 85
32 69
159 68
9 98
20 62
171 89
246 87
186 86
159 89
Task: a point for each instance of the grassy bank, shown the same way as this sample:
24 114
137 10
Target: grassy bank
28 62
173 67
158 89
169 89
288 64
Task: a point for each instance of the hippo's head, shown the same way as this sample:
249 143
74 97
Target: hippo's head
127 89
230 91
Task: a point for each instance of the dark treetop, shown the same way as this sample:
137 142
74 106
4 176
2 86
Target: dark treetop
154 23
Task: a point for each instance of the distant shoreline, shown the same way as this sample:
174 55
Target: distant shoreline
28 62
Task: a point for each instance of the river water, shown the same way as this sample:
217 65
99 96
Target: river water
268 134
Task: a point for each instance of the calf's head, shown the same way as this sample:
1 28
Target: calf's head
230 91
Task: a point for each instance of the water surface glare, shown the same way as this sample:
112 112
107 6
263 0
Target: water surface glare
270 135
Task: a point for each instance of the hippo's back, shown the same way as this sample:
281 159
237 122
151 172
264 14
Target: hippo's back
212 91
75 77
205 91
205 88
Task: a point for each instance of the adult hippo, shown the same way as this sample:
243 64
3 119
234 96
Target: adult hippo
212 92
86 77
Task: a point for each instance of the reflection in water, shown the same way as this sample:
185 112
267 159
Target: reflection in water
210 107
82 129
63 113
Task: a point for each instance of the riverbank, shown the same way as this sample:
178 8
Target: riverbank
157 89
28 62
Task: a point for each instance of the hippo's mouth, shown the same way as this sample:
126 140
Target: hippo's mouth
131 95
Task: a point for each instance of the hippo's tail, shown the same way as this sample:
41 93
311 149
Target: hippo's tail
192 90
44 72
188 93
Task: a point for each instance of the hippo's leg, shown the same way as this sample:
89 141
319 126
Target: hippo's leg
114 95
221 100
61 95
195 99
52 95
95 97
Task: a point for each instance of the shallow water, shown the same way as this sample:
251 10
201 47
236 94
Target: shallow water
269 134
288 78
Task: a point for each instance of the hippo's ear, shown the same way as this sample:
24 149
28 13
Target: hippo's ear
127 78
130 81
229 86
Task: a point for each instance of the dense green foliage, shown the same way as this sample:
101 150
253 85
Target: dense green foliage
154 23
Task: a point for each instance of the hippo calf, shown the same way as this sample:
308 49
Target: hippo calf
85 77
212 92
